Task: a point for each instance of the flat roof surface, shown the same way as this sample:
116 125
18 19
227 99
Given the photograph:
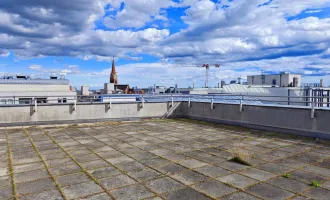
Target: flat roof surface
160 159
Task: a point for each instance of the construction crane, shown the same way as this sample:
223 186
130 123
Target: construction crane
207 67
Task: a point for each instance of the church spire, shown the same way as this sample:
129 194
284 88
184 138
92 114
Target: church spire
113 75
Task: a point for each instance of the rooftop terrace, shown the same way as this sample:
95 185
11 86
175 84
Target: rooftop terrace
160 159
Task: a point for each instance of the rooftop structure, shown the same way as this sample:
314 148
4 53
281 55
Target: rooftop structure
184 160
52 89
282 80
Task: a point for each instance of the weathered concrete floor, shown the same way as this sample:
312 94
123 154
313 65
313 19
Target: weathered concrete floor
159 160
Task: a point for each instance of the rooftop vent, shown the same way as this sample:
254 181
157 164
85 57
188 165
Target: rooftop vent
21 77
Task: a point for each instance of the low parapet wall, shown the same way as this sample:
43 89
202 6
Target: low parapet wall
82 113
296 120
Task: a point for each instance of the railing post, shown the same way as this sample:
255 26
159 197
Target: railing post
172 103
75 104
313 110
142 102
189 103
110 103
211 104
35 105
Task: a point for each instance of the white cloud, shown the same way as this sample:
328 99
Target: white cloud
136 14
35 67
73 66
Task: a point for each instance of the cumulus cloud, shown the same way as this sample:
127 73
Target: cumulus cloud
71 69
4 53
135 14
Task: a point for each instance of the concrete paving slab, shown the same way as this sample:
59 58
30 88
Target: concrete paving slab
258 174
289 184
46 195
239 196
189 177
28 167
100 173
118 160
59 162
86 158
326 185
72 179
298 197
163 185
102 196
22 161
185 193
63 170
35 186
5 181
132 192
318 193
192 163
95 164
306 176
237 180
155 162
81 190
317 170
145 175
171 169
275 168
31 175
58 155
325 163
117 182
213 188
132 166
6 192
269 192
232 166
109 154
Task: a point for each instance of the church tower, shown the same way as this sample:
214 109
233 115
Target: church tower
113 75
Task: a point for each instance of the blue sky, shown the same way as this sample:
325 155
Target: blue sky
161 42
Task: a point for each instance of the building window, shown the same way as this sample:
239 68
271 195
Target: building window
25 100
63 100
252 80
41 100
274 81
7 101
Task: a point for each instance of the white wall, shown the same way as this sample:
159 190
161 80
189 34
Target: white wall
281 80
33 88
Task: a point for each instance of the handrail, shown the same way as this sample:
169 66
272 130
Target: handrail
318 101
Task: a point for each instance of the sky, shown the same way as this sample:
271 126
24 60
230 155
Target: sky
163 42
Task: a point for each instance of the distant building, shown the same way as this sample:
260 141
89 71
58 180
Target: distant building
154 90
24 90
123 89
84 90
282 80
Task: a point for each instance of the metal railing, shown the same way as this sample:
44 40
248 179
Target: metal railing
306 101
